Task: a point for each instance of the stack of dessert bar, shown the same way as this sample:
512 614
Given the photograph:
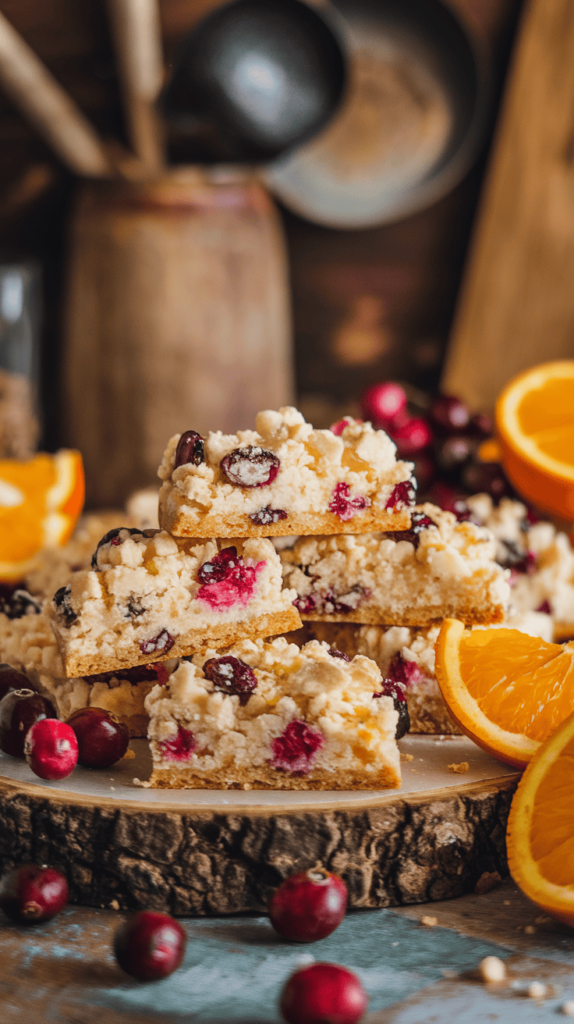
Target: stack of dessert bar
238 710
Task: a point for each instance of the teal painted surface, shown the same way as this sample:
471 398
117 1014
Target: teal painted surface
235 968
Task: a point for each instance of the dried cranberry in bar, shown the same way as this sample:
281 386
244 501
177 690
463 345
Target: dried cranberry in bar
231 675
250 467
295 749
190 449
419 522
343 505
219 567
403 495
160 644
267 515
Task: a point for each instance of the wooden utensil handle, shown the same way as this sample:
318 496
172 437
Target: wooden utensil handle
37 93
136 28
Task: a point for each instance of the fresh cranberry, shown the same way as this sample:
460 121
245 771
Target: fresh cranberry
11 680
545 607
412 437
488 478
19 710
190 449
102 738
19 603
385 404
160 644
308 906
114 537
453 452
62 601
345 507
338 654
403 495
396 690
179 747
33 893
149 945
250 467
419 522
449 415
231 675
267 515
51 749
323 994
219 567
295 749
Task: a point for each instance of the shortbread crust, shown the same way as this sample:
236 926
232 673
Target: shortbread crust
313 467
152 597
447 570
203 737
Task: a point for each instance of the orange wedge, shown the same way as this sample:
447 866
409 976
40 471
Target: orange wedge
507 691
540 836
40 502
535 424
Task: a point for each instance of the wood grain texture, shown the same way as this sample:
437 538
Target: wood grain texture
396 851
517 303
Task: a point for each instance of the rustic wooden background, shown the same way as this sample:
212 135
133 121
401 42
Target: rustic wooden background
394 287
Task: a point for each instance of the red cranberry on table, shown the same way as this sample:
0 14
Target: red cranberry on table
385 404
150 945
308 906
19 710
11 679
33 893
102 738
453 452
449 415
323 994
51 749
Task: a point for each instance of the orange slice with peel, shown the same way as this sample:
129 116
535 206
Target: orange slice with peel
507 691
40 502
540 836
535 425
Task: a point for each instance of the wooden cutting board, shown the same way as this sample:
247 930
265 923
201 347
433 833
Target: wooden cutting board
516 307
207 852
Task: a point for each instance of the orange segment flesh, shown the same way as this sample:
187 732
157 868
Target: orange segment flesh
40 501
508 691
540 836
535 423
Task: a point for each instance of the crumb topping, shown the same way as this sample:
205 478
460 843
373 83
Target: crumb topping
307 465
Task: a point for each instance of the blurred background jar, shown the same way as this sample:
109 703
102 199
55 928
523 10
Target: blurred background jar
20 318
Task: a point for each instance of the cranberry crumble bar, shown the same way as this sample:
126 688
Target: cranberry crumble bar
150 596
284 478
437 568
273 716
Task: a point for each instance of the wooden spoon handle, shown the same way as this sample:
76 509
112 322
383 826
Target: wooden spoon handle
39 96
137 34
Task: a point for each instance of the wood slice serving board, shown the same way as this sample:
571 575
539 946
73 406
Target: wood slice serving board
221 852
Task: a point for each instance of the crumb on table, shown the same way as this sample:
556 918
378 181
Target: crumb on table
460 768
492 969
428 921
487 881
